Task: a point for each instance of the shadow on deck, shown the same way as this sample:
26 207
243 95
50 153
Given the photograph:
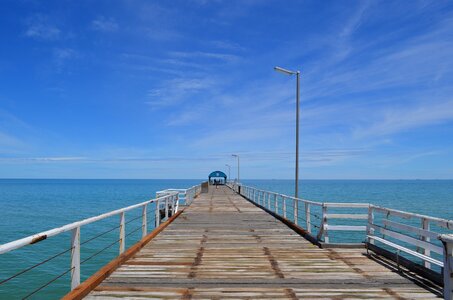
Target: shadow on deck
224 247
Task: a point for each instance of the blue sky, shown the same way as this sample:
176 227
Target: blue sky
169 89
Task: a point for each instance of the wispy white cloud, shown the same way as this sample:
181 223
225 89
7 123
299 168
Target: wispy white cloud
175 91
399 119
61 56
206 55
355 20
40 28
226 45
8 141
104 24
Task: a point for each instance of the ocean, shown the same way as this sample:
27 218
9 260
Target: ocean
30 206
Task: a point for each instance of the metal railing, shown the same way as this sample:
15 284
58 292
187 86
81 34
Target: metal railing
164 205
185 196
314 217
422 240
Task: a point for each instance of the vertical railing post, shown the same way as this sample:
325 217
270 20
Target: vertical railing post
427 252
324 223
269 201
307 216
284 206
176 205
157 212
75 258
296 210
369 228
447 241
166 208
122 232
276 204
144 221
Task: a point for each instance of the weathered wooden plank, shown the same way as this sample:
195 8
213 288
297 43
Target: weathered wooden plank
224 247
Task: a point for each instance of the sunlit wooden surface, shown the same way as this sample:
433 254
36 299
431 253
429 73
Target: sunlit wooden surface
224 247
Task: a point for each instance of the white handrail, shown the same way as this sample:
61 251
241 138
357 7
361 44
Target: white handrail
170 198
404 234
52 232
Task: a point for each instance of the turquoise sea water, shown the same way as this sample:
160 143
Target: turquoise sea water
31 206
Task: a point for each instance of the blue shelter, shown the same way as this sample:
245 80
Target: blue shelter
217 177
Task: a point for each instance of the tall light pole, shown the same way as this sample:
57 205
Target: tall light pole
229 171
297 73
236 155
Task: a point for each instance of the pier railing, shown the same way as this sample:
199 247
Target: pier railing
185 196
421 243
152 211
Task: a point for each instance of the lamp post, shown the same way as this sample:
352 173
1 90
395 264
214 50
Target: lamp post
297 73
236 155
229 171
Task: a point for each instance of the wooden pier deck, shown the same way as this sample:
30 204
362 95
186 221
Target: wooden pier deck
224 247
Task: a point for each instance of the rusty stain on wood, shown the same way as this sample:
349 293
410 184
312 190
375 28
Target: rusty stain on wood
334 255
274 263
224 247
393 294
199 257
291 295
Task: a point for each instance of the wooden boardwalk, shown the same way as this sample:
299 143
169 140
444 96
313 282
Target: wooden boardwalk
224 247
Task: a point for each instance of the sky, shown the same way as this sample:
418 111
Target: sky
170 89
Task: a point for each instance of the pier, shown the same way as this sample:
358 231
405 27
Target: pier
238 242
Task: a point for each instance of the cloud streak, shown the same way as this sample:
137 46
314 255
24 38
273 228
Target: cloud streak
104 24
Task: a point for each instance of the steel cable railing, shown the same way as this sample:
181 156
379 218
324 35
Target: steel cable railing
99 252
167 201
99 235
47 284
35 266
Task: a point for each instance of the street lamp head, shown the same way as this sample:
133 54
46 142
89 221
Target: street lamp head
235 155
285 71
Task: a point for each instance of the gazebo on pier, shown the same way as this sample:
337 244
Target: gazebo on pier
217 177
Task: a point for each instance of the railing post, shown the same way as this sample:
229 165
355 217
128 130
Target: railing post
296 211
157 214
307 217
427 252
144 221
284 206
166 208
268 201
324 223
176 205
369 229
75 258
122 232
276 203
447 241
